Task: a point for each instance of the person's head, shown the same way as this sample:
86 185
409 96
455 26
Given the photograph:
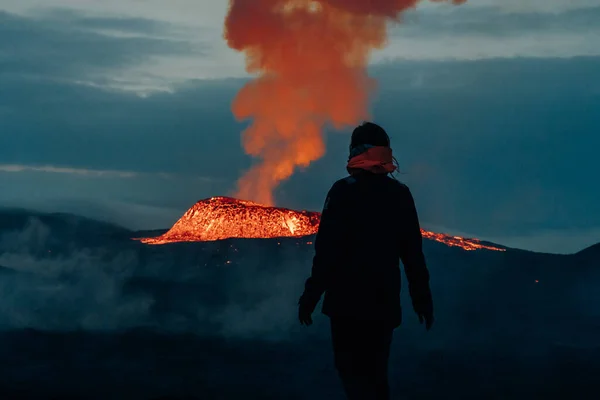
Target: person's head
370 150
369 133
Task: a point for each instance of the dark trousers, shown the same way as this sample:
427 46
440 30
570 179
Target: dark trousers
361 353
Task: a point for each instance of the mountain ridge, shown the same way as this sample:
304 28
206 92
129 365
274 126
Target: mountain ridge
20 217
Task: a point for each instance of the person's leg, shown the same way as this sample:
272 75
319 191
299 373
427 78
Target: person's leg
381 356
346 341
361 353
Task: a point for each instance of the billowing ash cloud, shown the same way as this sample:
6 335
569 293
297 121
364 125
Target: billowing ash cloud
310 58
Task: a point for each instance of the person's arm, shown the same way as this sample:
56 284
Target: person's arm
327 247
413 259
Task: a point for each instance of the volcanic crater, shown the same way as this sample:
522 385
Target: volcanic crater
219 218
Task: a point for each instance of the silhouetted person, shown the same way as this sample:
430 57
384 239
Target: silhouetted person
369 223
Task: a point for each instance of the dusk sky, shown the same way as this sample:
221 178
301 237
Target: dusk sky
120 110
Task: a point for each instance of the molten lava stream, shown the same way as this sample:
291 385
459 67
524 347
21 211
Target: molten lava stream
221 218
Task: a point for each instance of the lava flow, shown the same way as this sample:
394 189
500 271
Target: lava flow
220 218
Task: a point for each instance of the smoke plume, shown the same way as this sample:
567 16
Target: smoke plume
310 61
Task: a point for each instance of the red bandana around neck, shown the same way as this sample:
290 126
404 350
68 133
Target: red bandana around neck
377 159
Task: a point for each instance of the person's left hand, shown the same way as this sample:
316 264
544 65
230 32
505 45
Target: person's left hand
305 316
305 310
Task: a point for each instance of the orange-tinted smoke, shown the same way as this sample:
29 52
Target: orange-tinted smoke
310 60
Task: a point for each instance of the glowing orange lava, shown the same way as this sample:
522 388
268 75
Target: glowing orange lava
220 218
457 241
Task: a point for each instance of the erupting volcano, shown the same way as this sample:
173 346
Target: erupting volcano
221 218
309 59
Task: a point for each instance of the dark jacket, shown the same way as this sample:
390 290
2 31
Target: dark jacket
369 223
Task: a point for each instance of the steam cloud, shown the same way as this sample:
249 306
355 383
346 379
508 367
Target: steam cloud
310 58
50 281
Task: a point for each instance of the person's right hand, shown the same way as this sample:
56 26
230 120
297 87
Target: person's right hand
305 315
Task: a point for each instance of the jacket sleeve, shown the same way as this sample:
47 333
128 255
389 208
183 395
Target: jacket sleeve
327 246
411 253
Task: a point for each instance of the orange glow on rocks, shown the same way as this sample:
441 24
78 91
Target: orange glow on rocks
221 218
309 58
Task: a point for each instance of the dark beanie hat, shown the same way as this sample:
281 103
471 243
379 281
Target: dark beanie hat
369 133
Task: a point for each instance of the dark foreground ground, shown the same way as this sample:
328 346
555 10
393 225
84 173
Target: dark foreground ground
137 365
87 313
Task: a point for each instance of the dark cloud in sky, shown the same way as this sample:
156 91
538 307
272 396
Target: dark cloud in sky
494 148
77 20
174 133
65 45
521 135
492 21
